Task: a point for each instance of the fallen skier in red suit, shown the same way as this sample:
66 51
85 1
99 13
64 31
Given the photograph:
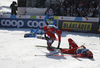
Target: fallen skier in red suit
75 49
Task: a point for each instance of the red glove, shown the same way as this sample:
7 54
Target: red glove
58 32
45 28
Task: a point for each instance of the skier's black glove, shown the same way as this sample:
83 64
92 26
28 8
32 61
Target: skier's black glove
46 38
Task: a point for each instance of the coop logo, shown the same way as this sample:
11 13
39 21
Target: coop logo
13 23
36 24
22 23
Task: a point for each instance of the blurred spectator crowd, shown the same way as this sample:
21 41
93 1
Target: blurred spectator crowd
76 8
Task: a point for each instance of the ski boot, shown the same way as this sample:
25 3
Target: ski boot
50 48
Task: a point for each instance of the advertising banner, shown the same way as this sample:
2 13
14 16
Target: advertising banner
99 27
78 26
21 23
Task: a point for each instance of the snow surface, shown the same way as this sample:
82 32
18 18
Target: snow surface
19 52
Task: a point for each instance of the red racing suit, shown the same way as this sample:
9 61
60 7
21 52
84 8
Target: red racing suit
79 51
50 31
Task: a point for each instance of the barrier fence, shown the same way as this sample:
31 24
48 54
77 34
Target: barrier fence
77 24
99 27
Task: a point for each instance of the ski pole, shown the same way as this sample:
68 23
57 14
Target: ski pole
57 55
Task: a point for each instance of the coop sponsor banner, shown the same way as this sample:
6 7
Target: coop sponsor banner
78 26
21 23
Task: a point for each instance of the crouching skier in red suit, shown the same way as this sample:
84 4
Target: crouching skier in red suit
50 32
75 49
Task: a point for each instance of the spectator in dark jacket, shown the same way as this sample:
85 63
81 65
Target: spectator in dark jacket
63 13
89 13
98 15
75 14
13 7
57 10
83 14
68 14
42 3
98 8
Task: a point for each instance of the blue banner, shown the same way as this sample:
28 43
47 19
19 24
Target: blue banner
21 23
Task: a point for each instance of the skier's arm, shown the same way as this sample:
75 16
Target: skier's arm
45 19
80 55
54 22
11 6
45 29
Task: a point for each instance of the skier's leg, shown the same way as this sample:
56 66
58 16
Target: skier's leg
69 46
69 51
35 32
49 43
72 44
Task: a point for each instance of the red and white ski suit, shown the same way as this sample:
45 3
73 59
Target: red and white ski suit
77 50
51 31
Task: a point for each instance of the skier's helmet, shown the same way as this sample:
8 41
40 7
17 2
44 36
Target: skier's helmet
50 10
89 54
83 46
